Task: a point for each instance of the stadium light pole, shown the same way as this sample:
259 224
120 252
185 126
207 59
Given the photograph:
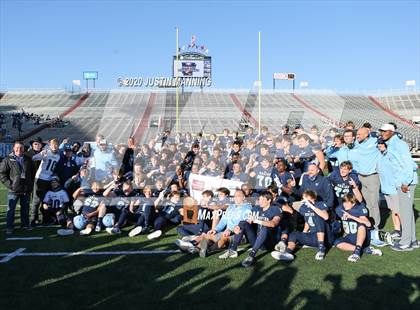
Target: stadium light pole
176 81
259 82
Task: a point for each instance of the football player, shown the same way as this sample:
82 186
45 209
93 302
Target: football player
56 203
139 212
92 201
206 216
353 215
345 181
267 217
49 159
315 214
123 199
222 235
168 211
261 174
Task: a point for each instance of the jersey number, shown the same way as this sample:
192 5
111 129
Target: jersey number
56 204
264 181
350 228
51 165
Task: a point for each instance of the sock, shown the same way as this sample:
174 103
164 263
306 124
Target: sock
284 240
321 246
358 250
289 251
99 221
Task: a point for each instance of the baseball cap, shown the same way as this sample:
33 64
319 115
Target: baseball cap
55 178
386 127
37 140
103 141
68 147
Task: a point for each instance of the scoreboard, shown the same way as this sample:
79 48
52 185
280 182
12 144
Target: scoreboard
192 65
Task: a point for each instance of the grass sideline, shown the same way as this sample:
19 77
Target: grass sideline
180 281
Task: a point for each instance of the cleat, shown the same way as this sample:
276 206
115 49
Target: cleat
229 254
372 251
116 231
86 232
395 234
282 256
320 255
154 235
353 258
113 230
183 245
280 247
402 248
248 262
135 231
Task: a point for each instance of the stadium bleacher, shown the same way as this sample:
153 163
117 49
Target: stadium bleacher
119 114
407 105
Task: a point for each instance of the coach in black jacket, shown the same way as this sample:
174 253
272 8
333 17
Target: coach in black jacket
16 173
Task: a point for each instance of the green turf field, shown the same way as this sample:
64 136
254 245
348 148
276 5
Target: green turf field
175 281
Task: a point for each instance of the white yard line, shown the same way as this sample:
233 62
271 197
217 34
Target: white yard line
19 253
12 255
24 238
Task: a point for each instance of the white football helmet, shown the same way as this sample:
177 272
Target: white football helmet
79 222
109 220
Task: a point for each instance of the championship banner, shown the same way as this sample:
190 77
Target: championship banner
199 183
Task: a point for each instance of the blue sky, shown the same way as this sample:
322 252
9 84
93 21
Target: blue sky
331 44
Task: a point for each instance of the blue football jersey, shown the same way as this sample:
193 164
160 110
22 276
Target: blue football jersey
144 204
340 186
56 199
350 226
263 177
311 218
92 200
123 201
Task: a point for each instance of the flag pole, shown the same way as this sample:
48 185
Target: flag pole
259 82
176 79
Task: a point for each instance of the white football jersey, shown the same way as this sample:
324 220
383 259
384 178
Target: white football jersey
56 199
47 166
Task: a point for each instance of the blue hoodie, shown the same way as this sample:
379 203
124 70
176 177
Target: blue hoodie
364 156
388 171
399 149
